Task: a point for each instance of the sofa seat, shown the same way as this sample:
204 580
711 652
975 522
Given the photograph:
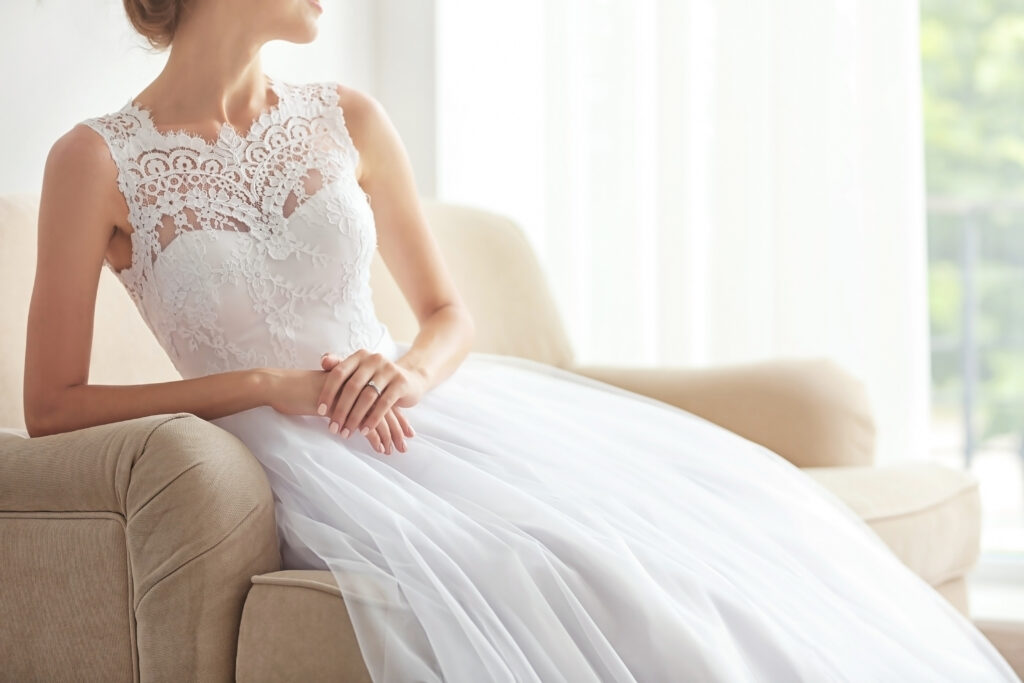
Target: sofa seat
295 622
909 506
295 627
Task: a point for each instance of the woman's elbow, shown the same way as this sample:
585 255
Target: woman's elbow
41 416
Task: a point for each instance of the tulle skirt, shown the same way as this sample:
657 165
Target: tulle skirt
544 526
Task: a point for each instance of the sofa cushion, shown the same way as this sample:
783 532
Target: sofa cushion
810 411
295 627
955 590
928 514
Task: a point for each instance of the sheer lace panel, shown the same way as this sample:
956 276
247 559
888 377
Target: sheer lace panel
183 182
263 228
184 192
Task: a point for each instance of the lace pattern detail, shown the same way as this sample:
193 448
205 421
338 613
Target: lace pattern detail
235 229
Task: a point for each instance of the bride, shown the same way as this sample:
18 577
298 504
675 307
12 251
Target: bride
487 518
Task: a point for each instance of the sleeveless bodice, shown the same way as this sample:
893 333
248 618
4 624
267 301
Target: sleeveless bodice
253 250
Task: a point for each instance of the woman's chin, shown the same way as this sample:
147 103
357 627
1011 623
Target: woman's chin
311 35
305 32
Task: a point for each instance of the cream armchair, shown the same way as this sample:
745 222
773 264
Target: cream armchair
147 549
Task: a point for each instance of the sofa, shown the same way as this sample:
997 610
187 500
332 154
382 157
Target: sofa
147 549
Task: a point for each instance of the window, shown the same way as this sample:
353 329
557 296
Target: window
974 138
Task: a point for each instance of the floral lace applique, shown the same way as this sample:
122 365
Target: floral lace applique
210 219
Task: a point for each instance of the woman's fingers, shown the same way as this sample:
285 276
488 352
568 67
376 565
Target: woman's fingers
391 386
387 435
383 431
397 438
347 401
407 429
373 437
354 394
336 377
364 402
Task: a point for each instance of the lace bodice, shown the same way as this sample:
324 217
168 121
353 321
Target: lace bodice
252 250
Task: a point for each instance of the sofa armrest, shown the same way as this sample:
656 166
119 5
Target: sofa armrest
165 518
809 411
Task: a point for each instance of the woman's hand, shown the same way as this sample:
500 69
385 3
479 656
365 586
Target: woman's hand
296 392
353 405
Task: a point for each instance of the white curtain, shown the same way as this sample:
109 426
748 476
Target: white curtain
707 181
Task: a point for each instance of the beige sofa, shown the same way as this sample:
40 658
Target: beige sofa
147 549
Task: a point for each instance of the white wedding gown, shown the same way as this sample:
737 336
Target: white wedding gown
542 526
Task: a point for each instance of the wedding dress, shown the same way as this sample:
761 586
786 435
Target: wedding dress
542 526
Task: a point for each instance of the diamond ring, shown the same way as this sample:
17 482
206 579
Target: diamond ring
374 386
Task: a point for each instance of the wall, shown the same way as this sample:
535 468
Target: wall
67 60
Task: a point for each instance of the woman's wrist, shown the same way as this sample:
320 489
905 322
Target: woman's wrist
444 340
259 385
415 368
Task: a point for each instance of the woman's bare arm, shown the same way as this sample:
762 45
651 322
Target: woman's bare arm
406 244
79 207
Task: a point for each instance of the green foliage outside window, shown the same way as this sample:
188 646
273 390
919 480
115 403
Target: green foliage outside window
973 69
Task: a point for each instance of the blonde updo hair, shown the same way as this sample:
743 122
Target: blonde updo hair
156 20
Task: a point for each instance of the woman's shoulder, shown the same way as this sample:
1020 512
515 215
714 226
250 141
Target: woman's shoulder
80 170
362 112
348 97
88 151
85 144
112 126
354 101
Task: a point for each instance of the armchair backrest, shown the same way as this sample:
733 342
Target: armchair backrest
494 267
499 278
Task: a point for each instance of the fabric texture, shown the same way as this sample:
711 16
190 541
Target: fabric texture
910 506
273 647
542 525
127 551
759 401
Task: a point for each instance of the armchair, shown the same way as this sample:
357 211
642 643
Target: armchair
147 549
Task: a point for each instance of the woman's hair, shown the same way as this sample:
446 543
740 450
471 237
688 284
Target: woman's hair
156 20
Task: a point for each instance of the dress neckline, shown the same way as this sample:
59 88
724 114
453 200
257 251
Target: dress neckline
227 129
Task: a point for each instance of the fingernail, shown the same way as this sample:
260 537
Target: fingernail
380 448
364 430
344 433
334 427
322 409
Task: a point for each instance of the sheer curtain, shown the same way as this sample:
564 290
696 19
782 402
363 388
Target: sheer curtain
707 181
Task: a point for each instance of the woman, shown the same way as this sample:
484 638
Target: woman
536 525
